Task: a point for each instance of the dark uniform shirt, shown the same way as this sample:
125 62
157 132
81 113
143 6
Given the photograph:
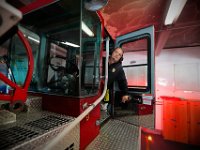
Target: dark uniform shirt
116 73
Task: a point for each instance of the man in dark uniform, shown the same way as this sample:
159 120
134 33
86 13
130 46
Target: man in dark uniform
116 73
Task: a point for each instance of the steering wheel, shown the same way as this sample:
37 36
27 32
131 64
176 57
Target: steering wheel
70 68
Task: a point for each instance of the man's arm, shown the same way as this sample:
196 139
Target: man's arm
122 82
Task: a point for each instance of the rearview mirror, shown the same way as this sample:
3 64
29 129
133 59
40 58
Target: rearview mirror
94 5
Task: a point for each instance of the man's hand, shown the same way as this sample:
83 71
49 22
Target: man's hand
126 98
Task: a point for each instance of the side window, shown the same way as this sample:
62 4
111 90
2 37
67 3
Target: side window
63 69
136 63
58 43
4 64
19 58
90 53
66 55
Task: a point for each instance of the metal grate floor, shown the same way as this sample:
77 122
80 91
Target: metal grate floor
14 135
29 128
116 135
48 122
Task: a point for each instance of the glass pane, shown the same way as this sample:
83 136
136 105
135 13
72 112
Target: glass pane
136 76
57 60
34 41
135 64
4 65
19 64
19 57
138 45
62 69
90 40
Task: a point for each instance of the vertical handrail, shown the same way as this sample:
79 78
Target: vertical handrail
54 142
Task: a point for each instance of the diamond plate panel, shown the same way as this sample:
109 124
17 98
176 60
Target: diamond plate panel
146 121
34 103
33 129
116 135
104 116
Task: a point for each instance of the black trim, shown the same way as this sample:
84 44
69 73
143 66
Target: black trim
127 66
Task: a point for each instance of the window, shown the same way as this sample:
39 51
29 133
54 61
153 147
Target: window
90 53
66 57
136 63
19 58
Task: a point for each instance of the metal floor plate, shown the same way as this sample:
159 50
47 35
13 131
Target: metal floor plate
36 128
104 116
116 135
15 134
146 121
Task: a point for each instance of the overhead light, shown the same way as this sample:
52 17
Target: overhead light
87 30
70 44
33 39
175 8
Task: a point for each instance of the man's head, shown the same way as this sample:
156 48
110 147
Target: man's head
117 55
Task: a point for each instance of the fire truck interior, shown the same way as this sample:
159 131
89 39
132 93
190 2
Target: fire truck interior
54 71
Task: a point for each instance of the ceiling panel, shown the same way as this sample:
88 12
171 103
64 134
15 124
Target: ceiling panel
123 16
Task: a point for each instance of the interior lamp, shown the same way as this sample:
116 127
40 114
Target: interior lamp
87 30
70 44
175 8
